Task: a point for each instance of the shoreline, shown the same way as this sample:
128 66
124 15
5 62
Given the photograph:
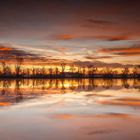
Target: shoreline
2 78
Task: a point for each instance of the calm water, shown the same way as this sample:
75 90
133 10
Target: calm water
73 109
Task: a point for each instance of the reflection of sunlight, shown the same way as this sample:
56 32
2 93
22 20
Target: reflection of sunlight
66 85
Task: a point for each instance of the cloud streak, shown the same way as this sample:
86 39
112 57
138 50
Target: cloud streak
64 37
122 51
8 52
113 37
99 22
98 57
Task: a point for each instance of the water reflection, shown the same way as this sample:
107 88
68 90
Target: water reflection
78 109
14 91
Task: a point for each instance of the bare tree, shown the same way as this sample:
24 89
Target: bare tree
56 71
63 66
43 71
125 71
89 69
33 71
3 68
18 65
72 68
50 71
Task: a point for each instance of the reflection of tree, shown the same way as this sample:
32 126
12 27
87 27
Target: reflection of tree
5 87
108 83
136 83
92 82
125 83
43 84
62 83
18 91
50 84
20 88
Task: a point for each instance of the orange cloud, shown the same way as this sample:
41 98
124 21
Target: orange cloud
122 51
7 52
65 37
5 48
5 103
114 38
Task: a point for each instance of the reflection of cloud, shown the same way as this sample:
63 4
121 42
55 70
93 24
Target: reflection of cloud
63 116
5 103
52 90
100 132
97 95
122 101
113 115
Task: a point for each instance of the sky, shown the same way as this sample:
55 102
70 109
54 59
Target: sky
77 31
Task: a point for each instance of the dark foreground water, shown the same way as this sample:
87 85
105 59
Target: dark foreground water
74 109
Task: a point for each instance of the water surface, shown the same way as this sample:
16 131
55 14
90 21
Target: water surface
70 109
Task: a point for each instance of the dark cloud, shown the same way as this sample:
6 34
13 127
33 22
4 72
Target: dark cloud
100 64
118 38
90 37
109 37
98 57
129 51
100 22
115 38
8 52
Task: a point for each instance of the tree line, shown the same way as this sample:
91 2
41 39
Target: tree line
89 71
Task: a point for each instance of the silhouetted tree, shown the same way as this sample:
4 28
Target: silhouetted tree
3 68
63 67
125 72
18 65
56 71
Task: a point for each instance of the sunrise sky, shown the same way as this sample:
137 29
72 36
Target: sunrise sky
79 31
